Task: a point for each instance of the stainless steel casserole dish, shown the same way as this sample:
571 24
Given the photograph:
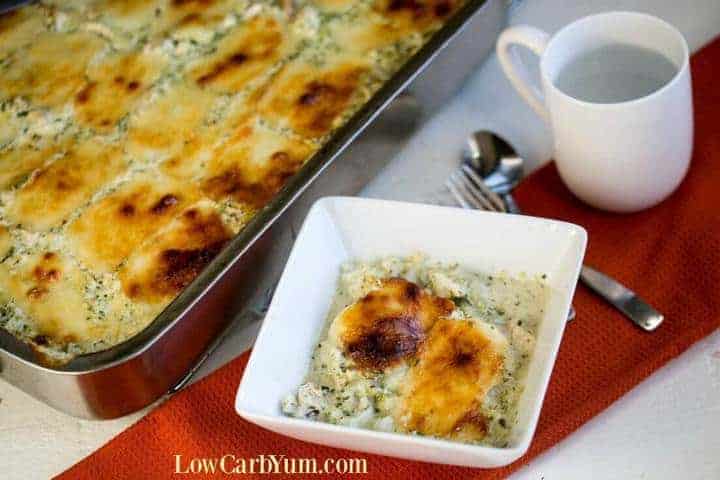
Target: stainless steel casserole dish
160 359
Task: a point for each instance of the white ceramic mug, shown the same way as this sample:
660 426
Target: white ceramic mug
623 156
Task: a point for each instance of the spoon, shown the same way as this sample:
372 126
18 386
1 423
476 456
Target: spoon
502 169
498 164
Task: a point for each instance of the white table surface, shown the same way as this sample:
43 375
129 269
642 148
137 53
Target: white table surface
666 428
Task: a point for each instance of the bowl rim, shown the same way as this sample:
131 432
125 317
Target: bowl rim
503 455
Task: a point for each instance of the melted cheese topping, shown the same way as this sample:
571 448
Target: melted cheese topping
19 27
137 137
113 87
51 68
55 191
50 289
110 230
6 241
195 19
388 324
16 164
127 15
312 100
173 257
243 55
152 132
454 363
401 356
459 363
417 15
253 164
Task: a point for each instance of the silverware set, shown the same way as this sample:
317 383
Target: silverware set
485 180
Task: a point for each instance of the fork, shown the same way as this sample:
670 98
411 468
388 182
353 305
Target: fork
470 191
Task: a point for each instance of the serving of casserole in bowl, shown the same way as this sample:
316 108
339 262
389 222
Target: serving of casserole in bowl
422 347
414 331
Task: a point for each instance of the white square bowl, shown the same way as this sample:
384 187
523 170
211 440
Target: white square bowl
338 229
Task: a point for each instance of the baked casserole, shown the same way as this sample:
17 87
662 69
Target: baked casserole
138 137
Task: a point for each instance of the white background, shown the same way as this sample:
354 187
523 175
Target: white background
666 428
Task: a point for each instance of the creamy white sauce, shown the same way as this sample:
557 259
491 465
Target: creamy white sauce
337 392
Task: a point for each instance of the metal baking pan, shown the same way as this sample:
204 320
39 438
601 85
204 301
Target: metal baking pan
161 358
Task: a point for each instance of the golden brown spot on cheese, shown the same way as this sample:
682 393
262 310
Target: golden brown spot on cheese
422 8
57 189
182 19
54 332
417 15
8 19
412 292
195 3
253 164
190 213
45 276
46 271
181 266
111 229
471 427
415 7
165 203
244 54
458 364
389 324
175 256
127 210
36 293
256 192
387 341
107 96
190 19
233 61
312 101
51 69
133 289
84 94
49 289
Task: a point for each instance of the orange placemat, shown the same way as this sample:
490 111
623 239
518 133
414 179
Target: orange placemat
671 254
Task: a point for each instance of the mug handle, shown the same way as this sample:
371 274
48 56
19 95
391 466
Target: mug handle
536 41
